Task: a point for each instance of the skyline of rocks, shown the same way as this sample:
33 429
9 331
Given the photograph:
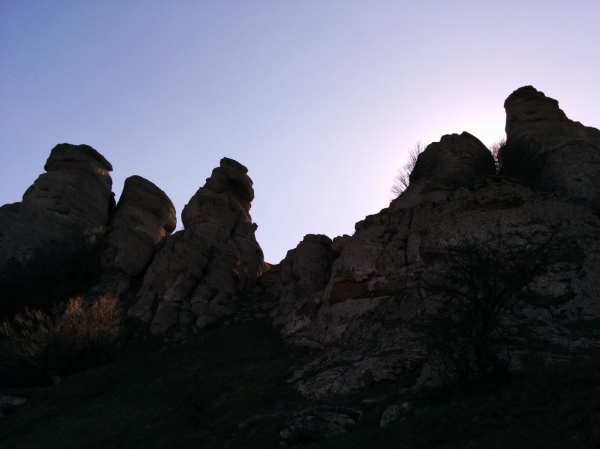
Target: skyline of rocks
325 291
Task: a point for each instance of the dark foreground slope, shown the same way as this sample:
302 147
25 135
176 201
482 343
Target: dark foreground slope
227 388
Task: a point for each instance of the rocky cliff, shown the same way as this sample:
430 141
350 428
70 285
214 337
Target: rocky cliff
468 269
354 298
359 307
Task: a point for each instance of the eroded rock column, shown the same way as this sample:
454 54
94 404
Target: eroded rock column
196 278
548 151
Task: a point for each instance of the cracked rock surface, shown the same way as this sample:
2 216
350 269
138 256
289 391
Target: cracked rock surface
360 316
197 276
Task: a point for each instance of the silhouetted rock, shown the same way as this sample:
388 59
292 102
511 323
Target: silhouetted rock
305 270
362 318
60 215
548 151
454 160
358 300
197 275
144 216
73 197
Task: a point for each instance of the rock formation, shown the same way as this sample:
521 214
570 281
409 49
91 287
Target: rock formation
197 276
49 241
143 217
356 298
363 317
305 270
549 152
454 160
73 196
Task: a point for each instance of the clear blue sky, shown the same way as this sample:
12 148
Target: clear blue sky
321 100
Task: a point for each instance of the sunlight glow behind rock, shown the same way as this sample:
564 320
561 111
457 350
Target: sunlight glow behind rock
321 101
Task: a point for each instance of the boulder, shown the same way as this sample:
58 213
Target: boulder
549 152
143 217
305 270
199 273
395 412
454 160
317 423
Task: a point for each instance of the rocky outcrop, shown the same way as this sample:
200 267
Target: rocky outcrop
143 217
549 152
454 160
73 197
50 241
356 298
363 317
197 276
305 270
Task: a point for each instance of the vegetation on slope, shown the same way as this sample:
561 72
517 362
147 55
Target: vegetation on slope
199 392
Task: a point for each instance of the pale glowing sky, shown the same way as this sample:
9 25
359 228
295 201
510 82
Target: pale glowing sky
321 100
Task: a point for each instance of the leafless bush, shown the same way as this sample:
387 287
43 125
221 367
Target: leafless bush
72 338
401 181
480 282
495 150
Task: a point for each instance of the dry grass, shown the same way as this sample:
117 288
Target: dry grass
495 150
72 338
402 179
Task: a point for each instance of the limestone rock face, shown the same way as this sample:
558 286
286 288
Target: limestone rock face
548 151
72 198
144 216
197 276
362 318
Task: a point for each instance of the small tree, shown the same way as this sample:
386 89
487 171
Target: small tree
401 181
495 150
479 283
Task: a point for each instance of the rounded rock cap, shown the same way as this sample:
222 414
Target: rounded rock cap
455 160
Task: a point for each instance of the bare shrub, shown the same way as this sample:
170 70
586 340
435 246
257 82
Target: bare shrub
72 338
402 181
495 150
481 280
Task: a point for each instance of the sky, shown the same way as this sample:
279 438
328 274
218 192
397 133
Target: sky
321 100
